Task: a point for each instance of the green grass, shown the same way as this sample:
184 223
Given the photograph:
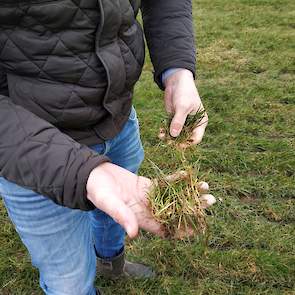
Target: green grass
246 71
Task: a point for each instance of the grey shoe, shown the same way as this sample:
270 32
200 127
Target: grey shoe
118 267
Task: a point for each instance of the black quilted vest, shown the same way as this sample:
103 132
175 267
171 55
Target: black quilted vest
73 62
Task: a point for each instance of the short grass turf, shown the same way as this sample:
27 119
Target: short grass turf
246 67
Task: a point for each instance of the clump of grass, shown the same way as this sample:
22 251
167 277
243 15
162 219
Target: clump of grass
176 205
184 139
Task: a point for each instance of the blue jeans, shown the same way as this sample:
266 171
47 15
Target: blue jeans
62 241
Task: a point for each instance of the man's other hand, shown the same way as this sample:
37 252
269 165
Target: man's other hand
181 99
124 196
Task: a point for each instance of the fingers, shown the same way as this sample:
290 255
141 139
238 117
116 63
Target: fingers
145 218
207 200
178 122
176 126
203 187
199 131
129 221
177 176
122 214
152 226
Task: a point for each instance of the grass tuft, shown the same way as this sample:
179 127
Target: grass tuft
176 205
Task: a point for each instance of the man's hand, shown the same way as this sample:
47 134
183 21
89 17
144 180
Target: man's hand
124 196
181 99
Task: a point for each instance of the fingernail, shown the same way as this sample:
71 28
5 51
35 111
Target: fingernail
210 199
131 231
203 187
174 132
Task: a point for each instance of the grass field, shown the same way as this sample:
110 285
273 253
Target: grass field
246 71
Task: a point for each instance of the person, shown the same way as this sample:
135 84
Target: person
69 138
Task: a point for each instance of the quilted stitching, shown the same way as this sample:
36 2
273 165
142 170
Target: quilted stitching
67 57
56 36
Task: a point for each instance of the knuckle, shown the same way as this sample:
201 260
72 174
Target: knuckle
184 106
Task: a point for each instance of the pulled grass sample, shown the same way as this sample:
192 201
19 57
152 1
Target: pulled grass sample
176 205
184 139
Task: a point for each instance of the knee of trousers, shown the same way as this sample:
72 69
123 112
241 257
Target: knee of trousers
75 277
66 260
59 240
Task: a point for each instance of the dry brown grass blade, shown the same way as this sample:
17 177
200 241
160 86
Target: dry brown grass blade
175 204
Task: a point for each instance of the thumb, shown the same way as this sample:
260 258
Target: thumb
122 214
177 123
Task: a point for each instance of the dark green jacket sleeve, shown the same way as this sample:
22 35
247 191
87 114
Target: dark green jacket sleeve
36 155
168 27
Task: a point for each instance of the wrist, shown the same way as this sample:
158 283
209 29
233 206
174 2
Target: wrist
180 74
167 73
92 182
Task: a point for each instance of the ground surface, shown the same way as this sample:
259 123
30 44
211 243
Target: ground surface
246 79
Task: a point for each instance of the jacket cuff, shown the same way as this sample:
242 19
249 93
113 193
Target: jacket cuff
167 73
82 174
158 74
